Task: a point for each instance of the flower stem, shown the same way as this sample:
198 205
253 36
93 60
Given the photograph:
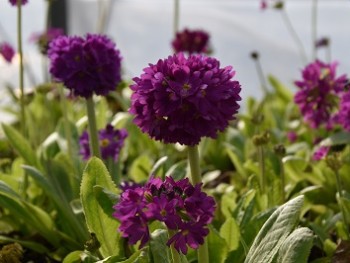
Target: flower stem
341 196
314 29
283 182
262 169
176 15
66 124
261 76
174 254
294 35
21 74
94 145
193 157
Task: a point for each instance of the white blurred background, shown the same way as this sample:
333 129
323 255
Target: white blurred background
143 30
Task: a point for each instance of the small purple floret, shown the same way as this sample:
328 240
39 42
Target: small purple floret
111 142
180 100
14 2
191 41
7 51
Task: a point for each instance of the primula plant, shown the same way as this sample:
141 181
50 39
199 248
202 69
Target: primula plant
172 164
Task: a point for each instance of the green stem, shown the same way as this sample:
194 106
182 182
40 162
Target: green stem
66 124
261 76
21 75
176 15
193 157
94 142
341 196
262 169
174 254
314 29
283 183
294 35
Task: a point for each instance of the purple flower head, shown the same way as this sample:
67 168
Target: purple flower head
7 51
126 185
191 41
317 97
14 2
343 116
44 39
111 142
85 65
180 100
183 208
320 153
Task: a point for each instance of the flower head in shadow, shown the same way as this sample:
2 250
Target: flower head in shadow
180 100
86 66
7 51
191 41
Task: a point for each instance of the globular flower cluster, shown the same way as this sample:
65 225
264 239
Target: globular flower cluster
319 92
7 51
191 41
85 65
111 142
43 39
180 100
14 2
182 207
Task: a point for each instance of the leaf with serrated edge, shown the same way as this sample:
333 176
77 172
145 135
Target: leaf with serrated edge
98 221
274 232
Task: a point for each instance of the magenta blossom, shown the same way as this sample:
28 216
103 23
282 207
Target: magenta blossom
180 100
85 65
111 142
320 153
14 2
183 208
7 51
343 116
318 93
191 41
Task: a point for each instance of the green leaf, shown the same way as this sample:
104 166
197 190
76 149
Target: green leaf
274 232
160 251
336 139
21 145
140 168
236 162
217 246
73 257
97 207
281 91
230 232
297 247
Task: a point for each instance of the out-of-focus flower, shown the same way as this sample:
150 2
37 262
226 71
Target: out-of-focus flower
85 65
43 39
322 42
111 142
191 41
292 136
7 51
183 208
317 97
180 100
320 153
343 116
14 2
